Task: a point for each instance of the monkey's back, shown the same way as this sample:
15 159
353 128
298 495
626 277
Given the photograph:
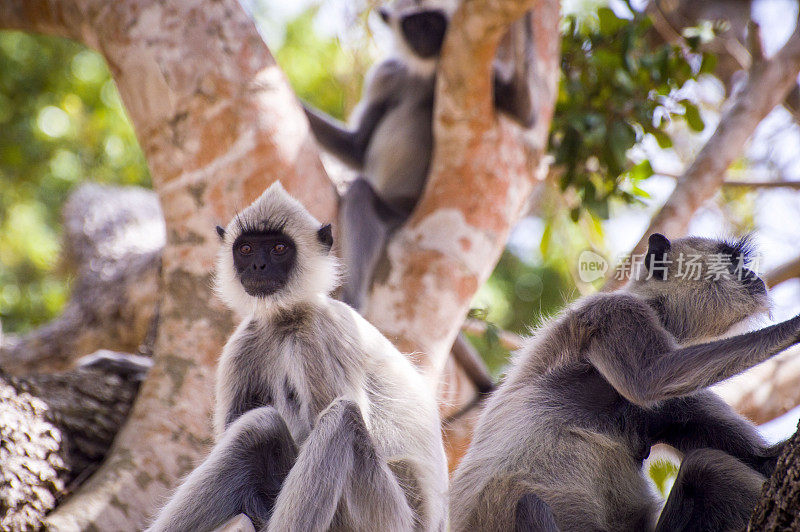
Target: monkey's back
554 429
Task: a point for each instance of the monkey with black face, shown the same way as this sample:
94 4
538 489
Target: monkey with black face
321 423
561 443
391 141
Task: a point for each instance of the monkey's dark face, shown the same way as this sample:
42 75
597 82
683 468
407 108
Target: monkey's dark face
263 261
423 31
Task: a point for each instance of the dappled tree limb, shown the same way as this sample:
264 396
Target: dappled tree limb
783 273
55 429
218 123
113 237
483 170
779 507
768 82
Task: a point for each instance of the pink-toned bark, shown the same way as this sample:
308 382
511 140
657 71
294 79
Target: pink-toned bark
218 123
484 169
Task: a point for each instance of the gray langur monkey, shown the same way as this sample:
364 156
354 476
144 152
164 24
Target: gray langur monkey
321 424
560 445
390 142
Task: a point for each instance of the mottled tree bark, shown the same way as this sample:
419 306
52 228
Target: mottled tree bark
483 171
217 123
779 507
484 168
54 431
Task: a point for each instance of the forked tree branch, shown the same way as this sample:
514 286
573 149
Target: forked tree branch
768 83
483 170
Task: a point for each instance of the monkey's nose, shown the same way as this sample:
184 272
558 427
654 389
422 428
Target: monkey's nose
261 266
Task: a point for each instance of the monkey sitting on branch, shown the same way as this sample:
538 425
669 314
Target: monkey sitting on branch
320 422
561 443
390 142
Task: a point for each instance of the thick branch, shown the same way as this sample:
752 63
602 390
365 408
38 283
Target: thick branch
113 237
767 85
218 123
483 170
55 429
784 272
779 507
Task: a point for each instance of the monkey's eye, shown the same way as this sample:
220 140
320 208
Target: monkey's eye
279 249
245 249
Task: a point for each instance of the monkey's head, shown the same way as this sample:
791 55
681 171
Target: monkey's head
700 287
274 255
418 26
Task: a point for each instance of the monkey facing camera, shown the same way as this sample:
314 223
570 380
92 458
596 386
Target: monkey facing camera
320 422
561 443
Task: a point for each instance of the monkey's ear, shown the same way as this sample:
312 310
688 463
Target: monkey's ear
221 232
325 235
384 13
655 260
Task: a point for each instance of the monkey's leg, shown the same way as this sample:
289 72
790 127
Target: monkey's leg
242 474
339 462
365 227
534 515
713 491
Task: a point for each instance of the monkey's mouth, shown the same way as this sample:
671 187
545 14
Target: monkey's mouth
260 286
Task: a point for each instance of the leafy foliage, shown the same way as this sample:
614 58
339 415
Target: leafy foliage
320 70
616 88
61 122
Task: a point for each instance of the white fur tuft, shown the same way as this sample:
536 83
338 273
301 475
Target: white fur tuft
316 271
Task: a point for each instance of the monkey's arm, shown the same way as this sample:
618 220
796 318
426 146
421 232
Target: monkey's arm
640 359
703 420
348 146
339 465
243 474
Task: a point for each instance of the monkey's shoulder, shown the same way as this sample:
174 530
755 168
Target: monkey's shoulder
602 315
385 74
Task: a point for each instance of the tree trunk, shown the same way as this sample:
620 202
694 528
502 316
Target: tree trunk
779 507
217 123
54 431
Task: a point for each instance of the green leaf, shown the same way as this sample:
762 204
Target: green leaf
664 140
692 116
641 170
620 140
610 23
